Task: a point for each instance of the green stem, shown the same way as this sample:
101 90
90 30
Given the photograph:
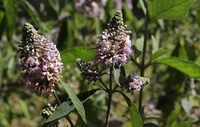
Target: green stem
59 102
142 68
110 92
100 80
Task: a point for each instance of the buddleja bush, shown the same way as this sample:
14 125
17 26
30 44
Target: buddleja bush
41 64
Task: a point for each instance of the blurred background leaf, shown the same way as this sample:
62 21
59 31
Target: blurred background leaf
172 9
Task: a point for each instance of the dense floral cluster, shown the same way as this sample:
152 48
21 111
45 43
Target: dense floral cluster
135 82
39 60
91 8
88 71
114 47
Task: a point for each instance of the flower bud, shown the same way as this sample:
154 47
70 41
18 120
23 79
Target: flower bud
135 82
88 71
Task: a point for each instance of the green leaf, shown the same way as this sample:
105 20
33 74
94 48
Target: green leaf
143 6
168 9
155 44
1 16
140 43
186 104
128 13
11 14
54 5
69 56
187 67
24 107
136 119
34 15
65 38
66 107
185 124
172 117
158 54
116 71
77 103
119 75
2 23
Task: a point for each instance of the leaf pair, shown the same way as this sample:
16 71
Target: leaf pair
75 102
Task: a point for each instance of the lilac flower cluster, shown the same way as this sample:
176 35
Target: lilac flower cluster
88 71
135 82
114 47
91 8
40 61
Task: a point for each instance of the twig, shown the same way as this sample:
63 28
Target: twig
100 80
59 102
135 62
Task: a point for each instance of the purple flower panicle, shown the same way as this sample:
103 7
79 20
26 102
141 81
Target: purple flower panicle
135 82
39 60
114 45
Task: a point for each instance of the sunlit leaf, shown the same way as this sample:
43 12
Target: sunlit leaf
69 56
155 44
187 67
168 9
76 102
140 43
158 54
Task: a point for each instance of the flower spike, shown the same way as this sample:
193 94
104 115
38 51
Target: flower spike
39 60
114 45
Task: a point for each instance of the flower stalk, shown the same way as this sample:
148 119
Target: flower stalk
142 68
110 92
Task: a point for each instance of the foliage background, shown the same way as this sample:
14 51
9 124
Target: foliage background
171 99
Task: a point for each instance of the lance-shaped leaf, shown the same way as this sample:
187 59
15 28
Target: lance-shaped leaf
66 107
158 54
187 67
136 119
168 9
76 102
